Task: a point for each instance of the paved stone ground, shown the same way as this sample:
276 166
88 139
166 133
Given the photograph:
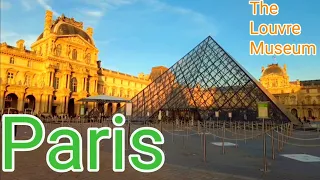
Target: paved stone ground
184 158
32 166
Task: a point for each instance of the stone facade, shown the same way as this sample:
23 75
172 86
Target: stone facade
61 68
302 98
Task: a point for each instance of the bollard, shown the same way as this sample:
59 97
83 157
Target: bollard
252 129
172 131
235 130
265 167
128 137
212 127
272 144
282 137
278 138
204 147
224 133
188 130
245 133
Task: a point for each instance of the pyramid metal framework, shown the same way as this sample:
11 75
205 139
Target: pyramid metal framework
206 80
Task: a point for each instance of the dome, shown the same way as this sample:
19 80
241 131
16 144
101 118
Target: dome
273 69
67 26
68 29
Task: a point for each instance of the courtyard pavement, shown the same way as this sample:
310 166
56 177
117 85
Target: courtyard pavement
185 160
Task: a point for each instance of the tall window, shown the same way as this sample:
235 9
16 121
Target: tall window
27 81
88 58
58 50
29 64
121 93
74 84
74 54
113 91
88 85
12 60
10 78
114 80
56 83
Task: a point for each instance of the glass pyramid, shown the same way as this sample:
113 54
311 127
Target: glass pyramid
206 80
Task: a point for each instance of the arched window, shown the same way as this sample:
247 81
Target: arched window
10 78
58 50
74 54
310 113
74 84
88 58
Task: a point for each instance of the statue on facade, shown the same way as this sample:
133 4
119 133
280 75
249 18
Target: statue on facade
262 69
53 46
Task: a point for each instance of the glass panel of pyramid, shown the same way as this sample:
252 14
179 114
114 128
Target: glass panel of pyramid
206 80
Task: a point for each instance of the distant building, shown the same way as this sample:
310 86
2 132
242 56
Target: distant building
301 98
61 68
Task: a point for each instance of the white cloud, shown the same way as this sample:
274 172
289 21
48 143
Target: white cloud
5 5
46 6
29 4
26 4
155 4
94 13
12 37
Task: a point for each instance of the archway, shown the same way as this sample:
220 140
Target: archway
11 101
30 102
118 107
294 112
109 109
71 107
101 107
310 112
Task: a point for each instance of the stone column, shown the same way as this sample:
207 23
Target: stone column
2 97
85 84
20 101
38 101
66 108
49 108
76 107
114 107
52 78
43 105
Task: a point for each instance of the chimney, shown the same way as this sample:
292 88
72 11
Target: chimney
99 64
90 31
20 44
47 23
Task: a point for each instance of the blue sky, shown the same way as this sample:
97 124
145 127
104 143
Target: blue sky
135 35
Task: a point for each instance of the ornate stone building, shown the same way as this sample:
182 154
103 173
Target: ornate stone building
61 68
302 98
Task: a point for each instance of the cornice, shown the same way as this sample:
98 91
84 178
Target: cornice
21 53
